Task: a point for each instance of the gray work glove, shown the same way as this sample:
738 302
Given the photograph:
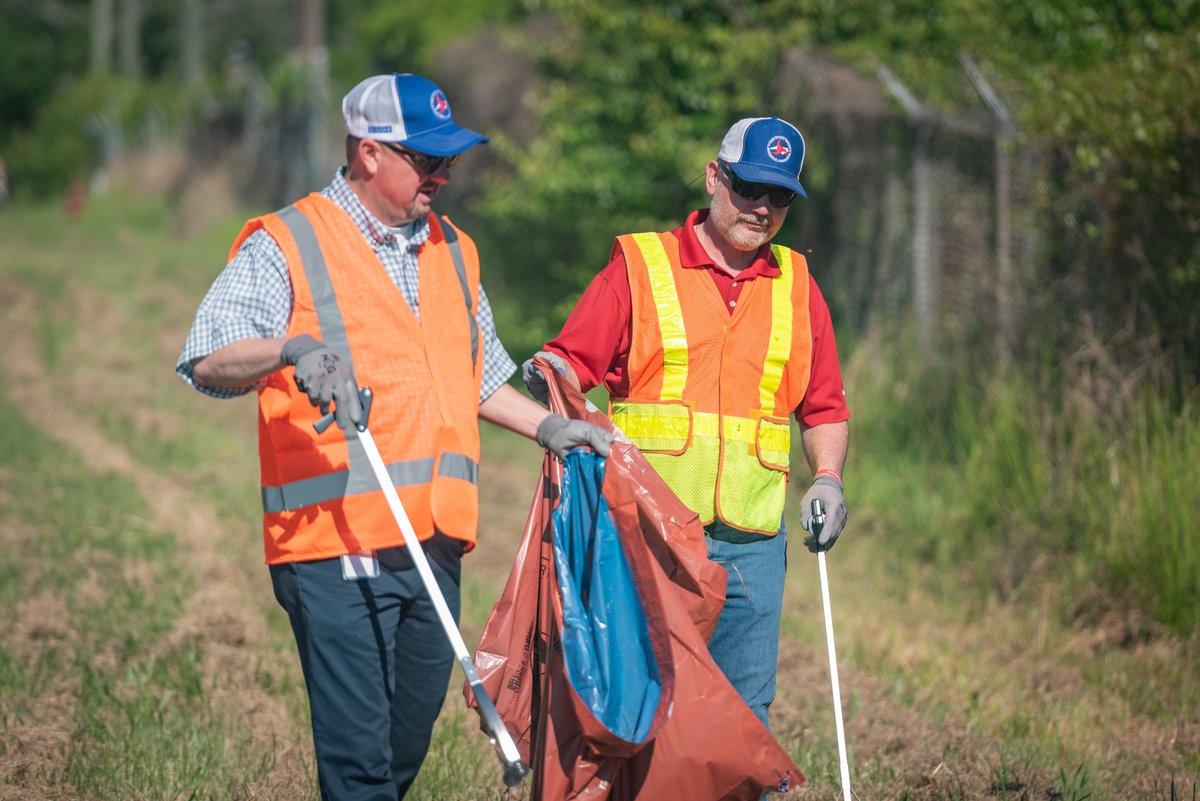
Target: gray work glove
827 490
325 377
535 382
559 435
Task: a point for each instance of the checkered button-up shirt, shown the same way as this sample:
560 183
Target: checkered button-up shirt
252 297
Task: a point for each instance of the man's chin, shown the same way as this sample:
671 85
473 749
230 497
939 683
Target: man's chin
752 238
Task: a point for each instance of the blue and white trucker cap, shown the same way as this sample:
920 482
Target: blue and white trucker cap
407 109
766 150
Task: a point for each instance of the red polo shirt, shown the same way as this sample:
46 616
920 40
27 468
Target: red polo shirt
595 338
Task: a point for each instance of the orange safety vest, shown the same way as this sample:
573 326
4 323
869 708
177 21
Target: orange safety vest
320 496
710 394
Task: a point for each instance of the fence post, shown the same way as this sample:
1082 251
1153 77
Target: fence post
923 243
1004 138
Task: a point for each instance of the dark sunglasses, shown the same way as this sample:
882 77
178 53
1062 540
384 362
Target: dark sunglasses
422 162
778 196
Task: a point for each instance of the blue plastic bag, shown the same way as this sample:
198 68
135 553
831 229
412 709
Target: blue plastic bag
607 650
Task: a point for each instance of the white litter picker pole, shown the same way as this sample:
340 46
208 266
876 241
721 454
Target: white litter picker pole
818 521
506 748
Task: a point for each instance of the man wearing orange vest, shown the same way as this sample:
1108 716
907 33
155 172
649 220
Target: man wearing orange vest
362 284
708 339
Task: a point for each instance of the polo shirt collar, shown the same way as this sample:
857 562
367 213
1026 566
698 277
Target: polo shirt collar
693 255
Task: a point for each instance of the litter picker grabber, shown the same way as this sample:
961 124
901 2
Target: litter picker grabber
818 522
506 750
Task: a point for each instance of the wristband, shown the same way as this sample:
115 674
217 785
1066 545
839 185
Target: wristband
825 471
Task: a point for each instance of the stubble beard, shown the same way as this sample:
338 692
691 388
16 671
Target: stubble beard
728 222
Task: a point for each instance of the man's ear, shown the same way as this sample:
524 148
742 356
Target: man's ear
712 176
364 158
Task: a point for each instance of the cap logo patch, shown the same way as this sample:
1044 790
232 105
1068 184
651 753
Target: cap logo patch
779 149
373 129
439 104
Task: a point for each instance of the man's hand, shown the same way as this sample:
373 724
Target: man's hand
559 435
827 490
325 377
535 382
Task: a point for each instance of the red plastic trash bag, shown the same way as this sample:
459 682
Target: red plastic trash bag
700 742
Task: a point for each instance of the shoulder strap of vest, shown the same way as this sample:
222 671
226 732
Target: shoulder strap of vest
329 314
460 267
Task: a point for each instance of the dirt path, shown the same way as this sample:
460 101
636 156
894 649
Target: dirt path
224 616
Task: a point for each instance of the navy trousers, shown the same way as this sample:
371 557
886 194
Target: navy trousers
376 664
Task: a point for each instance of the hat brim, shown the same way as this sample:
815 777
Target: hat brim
765 175
445 140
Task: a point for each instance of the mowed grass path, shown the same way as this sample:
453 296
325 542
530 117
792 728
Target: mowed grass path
142 655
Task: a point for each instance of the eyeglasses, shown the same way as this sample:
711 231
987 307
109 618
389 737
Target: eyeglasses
778 196
422 162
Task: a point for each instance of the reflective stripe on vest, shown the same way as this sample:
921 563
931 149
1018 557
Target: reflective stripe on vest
359 478
460 267
318 489
725 462
670 315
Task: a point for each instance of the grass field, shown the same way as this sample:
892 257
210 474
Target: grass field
143 657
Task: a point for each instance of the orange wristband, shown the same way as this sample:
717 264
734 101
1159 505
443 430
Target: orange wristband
825 471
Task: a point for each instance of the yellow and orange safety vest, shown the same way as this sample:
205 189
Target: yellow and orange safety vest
710 393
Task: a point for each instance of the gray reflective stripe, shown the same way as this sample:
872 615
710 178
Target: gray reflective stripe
331 323
460 267
457 465
333 327
343 483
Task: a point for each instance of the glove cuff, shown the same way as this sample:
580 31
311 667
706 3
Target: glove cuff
546 429
295 348
827 471
827 480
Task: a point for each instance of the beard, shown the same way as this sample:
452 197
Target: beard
744 230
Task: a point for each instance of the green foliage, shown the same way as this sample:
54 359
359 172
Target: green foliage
404 37
36 47
1008 480
66 139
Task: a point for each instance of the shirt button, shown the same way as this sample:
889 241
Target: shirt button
733 303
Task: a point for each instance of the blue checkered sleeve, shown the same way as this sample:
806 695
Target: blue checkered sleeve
252 297
498 366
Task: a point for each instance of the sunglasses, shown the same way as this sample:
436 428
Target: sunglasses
422 162
778 196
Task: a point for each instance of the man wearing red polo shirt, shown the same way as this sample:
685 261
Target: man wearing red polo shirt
708 339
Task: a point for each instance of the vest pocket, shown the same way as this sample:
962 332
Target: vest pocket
773 441
655 426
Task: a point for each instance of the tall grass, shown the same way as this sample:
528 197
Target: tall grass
1153 544
1007 478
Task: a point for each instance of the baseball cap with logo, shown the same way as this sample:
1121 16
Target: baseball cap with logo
406 109
765 150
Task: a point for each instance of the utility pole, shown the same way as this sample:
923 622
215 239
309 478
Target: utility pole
131 39
191 45
101 36
314 60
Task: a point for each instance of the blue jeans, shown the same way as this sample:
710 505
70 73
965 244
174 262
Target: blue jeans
376 665
745 644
